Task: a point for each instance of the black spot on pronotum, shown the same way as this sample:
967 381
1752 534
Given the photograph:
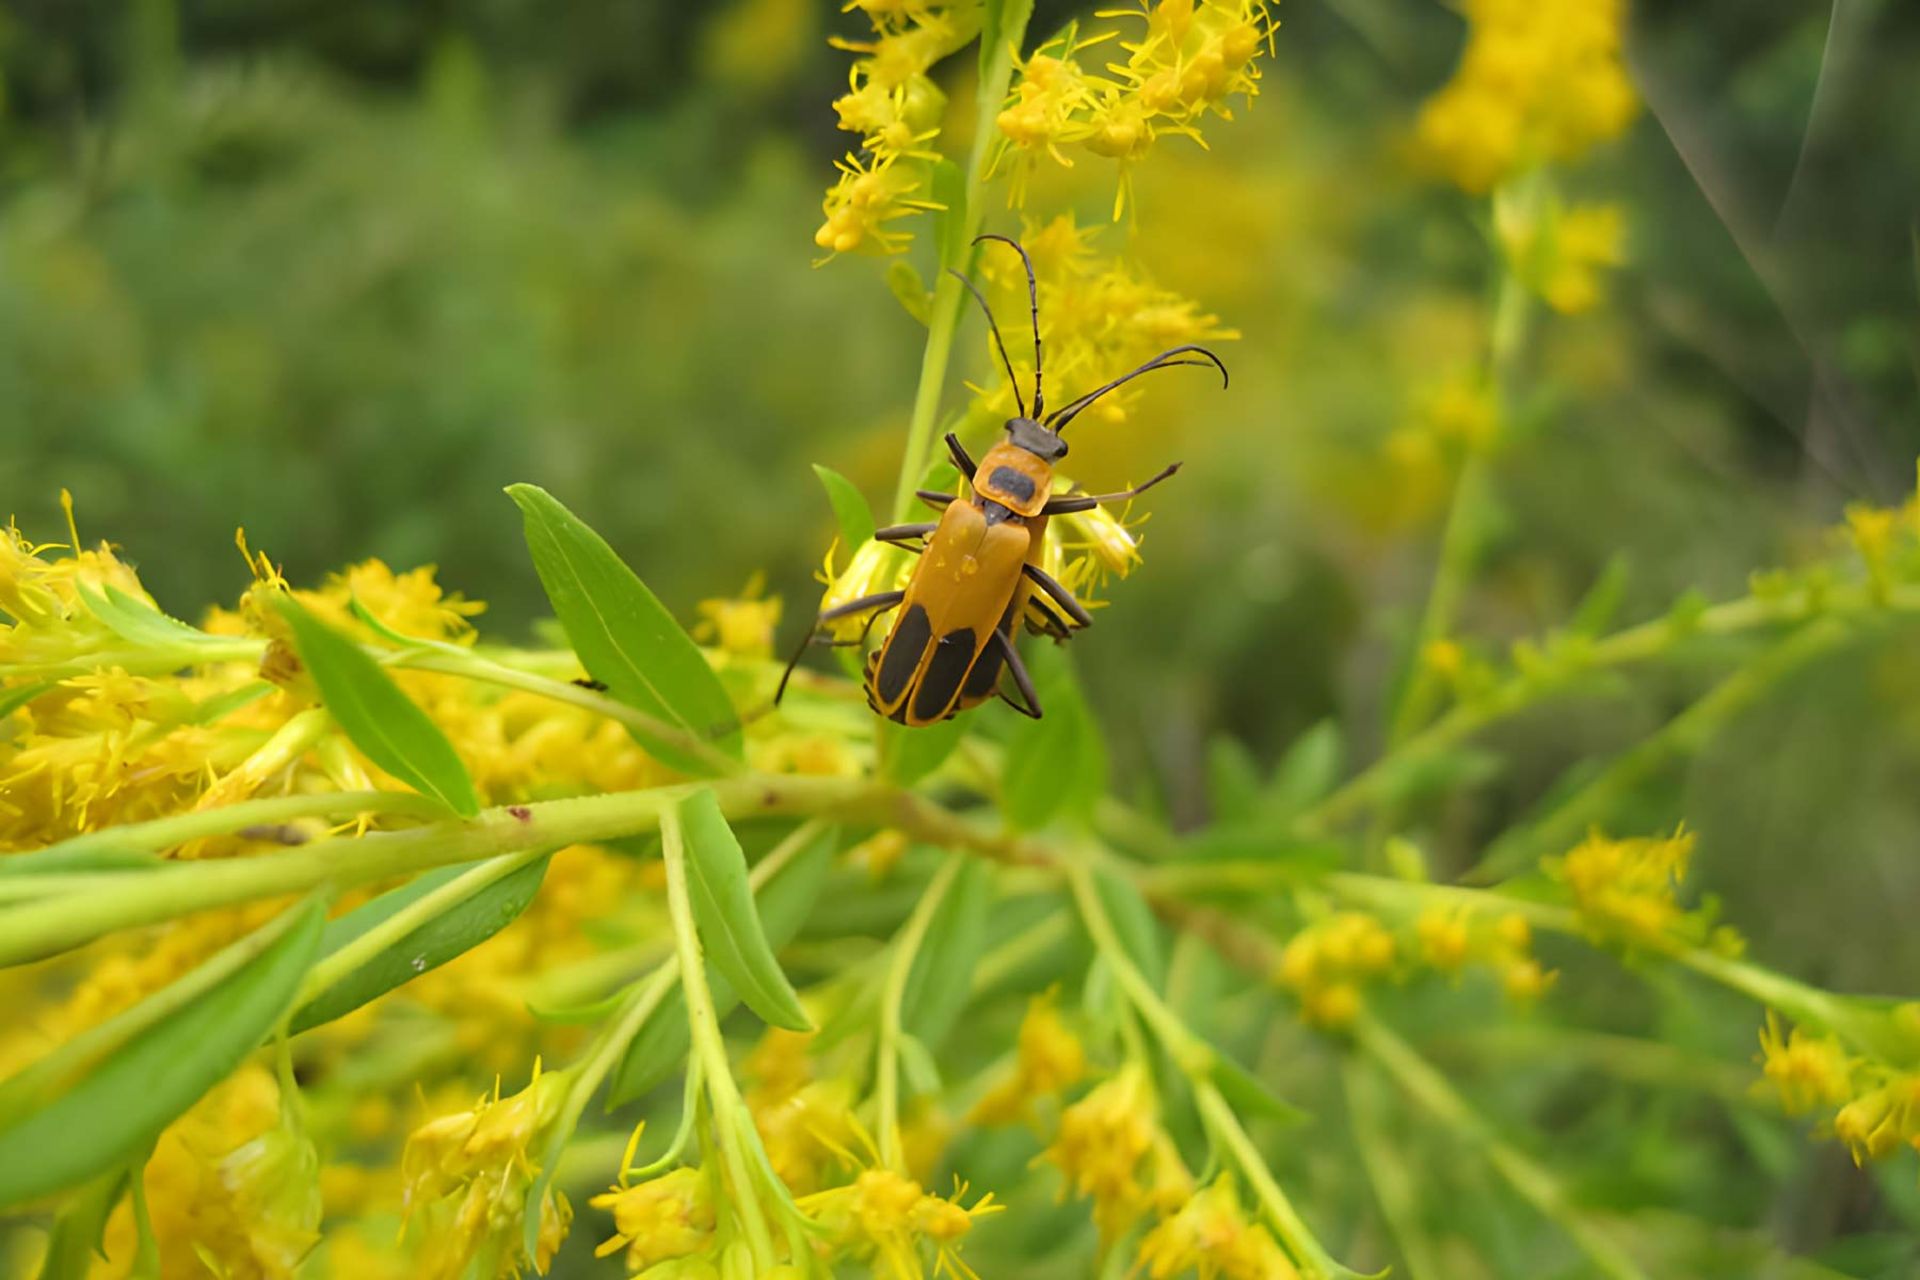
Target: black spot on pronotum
1015 484
521 812
940 682
902 656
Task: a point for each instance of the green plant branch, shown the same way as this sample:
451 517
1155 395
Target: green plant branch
1427 1087
100 903
1640 643
948 296
1394 1188
906 947
709 1050
1686 733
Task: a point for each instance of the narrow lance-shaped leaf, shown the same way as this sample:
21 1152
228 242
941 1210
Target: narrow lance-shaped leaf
381 720
123 1101
1058 764
626 639
729 924
942 973
850 508
784 902
454 932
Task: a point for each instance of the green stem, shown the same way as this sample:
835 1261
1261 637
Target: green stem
906 947
1640 643
1427 1087
1194 1058
1686 733
729 1111
948 297
164 833
1393 1184
101 903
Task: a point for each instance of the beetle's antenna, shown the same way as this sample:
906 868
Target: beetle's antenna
1062 417
1033 306
998 341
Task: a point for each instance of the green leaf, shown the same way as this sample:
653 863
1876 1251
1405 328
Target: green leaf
123 1101
917 1063
134 620
942 973
75 1241
1602 601
660 1046
728 921
908 755
14 699
1057 764
381 720
1234 785
849 508
909 290
1309 769
1247 1093
454 932
1133 921
625 637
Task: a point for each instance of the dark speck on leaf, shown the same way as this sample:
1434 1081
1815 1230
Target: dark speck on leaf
521 812
770 799
598 686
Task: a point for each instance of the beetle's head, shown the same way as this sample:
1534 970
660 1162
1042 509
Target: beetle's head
1027 434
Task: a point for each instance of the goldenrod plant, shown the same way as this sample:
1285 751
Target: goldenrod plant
342 937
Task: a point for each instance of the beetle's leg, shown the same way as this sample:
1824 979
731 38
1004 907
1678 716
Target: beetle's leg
902 532
1086 501
874 604
960 458
1061 596
933 497
1021 679
1051 623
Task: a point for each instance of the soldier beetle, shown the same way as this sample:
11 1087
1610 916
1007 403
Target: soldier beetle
979 572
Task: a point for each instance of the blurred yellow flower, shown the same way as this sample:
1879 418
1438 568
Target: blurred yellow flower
660 1219
1539 81
1627 890
1210 1235
1561 252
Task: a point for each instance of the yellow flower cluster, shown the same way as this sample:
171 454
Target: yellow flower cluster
1627 891
885 1219
1188 60
231 1188
1872 1106
806 1124
1211 1236
1329 963
467 1177
1539 81
1049 1060
1112 1150
660 1219
1326 964
895 108
1562 252
1448 420
1099 317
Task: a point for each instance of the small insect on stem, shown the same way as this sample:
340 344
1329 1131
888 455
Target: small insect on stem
979 574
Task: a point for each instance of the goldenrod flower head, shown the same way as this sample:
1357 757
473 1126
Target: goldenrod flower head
880 853
1444 939
886 1219
1099 1147
1103 539
660 1219
1806 1069
740 626
1562 252
1627 889
467 1176
42 593
273 1182
1050 1060
1211 1235
869 195
1539 81
874 567
1326 963
1876 1124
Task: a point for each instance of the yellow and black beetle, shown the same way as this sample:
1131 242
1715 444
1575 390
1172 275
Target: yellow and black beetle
980 562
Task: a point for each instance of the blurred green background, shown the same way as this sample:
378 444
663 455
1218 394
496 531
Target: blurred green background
338 272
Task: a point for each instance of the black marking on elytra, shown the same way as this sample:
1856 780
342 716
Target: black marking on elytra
1015 483
902 658
940 682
